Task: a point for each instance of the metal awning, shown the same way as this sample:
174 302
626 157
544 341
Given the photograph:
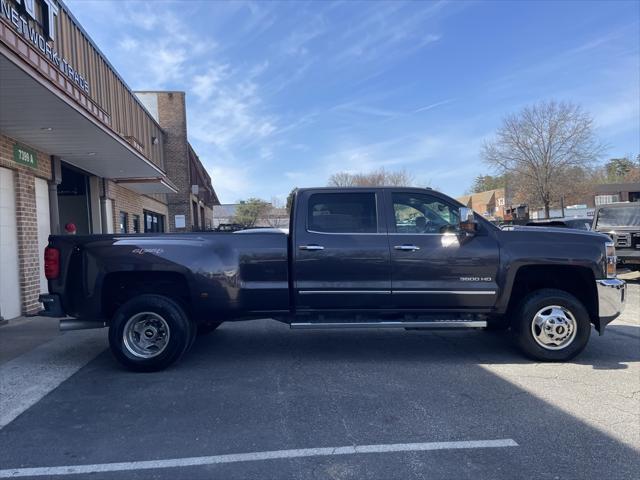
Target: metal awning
33 112
148 185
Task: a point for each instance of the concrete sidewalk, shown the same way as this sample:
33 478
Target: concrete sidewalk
23 334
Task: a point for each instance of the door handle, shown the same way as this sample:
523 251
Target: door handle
408 248
311 247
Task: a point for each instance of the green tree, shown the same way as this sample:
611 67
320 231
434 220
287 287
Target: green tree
249 211
622 170
482 183
290 199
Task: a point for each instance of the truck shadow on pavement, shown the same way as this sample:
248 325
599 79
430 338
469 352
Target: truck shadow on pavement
259 387
271 340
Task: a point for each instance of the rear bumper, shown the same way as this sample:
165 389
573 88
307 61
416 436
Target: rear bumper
52 306
611 299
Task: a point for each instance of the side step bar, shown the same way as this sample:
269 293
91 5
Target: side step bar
68 324
434 324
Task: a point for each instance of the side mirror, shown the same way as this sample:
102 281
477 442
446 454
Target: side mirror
468 222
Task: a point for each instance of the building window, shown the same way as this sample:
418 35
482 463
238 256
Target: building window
136 224
153 222
607 199
124 222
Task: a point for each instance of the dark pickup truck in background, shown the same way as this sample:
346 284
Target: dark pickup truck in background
354 257
621 221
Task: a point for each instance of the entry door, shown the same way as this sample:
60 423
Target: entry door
340 251
9 276
434 265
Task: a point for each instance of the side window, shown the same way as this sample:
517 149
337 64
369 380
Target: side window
342 213
416 213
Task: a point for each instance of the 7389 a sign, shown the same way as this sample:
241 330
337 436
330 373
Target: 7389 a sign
25 156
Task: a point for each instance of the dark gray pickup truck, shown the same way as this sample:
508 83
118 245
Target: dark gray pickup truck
353 258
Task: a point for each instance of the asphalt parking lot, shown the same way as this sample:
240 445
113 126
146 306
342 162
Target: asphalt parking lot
256 388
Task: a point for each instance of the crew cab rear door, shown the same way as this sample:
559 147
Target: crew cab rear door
433 265
340 251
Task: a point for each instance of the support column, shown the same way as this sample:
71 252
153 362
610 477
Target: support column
56 179
28 254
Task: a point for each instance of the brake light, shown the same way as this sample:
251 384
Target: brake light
51 263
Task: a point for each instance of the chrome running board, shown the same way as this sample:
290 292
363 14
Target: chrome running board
433 324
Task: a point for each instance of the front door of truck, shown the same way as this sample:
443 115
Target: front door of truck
433 265
341 255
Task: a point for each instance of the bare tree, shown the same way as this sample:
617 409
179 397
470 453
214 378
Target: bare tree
380 177
540 146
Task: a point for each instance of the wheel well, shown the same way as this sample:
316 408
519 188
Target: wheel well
578 281
119 287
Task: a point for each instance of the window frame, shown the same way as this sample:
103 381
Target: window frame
123 225
391 214
380 221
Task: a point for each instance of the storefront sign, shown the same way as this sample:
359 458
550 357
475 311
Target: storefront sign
180 221
22 15
25 156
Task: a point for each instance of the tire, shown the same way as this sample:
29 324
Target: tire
206 328
565 322
168 328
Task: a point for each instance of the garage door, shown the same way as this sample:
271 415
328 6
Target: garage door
9 278
42 214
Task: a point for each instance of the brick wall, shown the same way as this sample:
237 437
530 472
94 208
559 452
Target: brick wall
43 169
28 254
172 118
26 220
132 203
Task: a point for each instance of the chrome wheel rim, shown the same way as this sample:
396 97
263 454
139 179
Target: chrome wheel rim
146 335
554 327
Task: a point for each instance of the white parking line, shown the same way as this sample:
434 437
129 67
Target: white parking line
24 380
252 457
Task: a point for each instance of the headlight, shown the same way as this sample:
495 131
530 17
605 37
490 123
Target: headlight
611 259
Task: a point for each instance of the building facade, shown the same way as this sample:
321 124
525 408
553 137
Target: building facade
490 204
77 146
190 208
616 192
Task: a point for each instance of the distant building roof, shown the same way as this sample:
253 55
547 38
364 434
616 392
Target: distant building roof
481 197
617 187
465 199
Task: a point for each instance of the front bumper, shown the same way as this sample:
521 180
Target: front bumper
628 256
612 295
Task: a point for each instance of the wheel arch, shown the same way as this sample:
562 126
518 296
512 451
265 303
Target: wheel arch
578 281
121 286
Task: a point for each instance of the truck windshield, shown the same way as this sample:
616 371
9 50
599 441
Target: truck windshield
619 216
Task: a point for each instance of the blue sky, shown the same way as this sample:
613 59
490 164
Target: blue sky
284 94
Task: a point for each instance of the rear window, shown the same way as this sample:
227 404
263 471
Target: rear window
342 213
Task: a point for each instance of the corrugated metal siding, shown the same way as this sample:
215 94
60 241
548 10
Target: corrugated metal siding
128 117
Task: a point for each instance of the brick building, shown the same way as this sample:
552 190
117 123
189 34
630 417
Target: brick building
190 208
490 204
78 146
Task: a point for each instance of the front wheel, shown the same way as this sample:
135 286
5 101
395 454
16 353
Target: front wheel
149 333
551 325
